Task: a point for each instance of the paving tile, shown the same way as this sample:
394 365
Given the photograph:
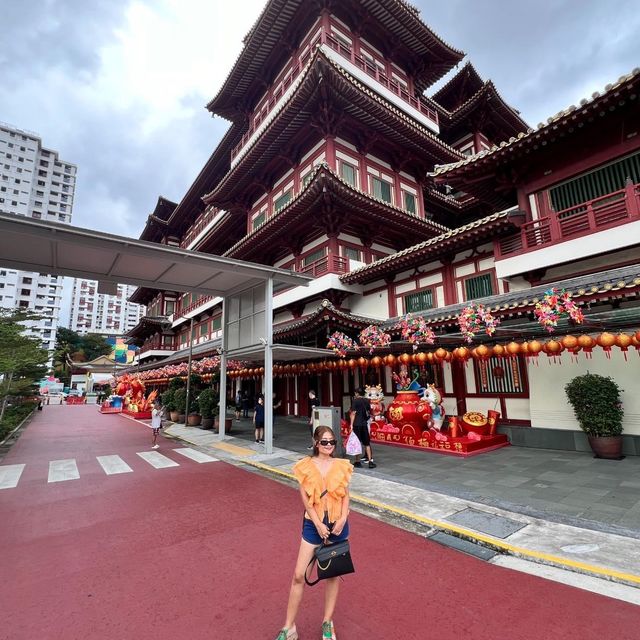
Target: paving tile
485 522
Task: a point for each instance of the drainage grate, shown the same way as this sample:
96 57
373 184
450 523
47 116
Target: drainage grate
488 523
459 544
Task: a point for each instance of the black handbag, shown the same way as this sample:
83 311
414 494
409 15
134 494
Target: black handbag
333 560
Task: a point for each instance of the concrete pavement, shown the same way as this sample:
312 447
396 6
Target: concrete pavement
599 554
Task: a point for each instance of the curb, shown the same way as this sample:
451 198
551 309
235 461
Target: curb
478 538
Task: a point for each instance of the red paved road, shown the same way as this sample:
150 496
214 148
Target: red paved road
206 550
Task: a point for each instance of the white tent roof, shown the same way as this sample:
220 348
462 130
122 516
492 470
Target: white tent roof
60 249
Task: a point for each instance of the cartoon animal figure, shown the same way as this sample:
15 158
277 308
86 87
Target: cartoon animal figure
433 396
376 400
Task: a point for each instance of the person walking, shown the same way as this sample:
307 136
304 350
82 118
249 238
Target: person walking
313 403
324 489
245 404
258 419
360 412
238 404
156 423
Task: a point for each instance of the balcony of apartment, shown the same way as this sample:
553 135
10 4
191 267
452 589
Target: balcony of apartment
361 68
604 224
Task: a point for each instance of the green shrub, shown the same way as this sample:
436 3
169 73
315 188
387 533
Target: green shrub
168 400
13 416
596 404
176 383
180 399
208 401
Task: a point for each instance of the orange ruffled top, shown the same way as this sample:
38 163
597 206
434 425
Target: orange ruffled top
335 482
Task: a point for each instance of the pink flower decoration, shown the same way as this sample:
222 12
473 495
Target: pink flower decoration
415 330
554 306
372 337
474 318
341 343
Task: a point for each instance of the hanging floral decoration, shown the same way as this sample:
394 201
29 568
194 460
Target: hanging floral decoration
373 337
556 304
474 318
341 343
415 331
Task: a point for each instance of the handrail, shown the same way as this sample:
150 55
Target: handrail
298 65
326 264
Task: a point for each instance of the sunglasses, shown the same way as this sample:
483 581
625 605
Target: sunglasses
327 443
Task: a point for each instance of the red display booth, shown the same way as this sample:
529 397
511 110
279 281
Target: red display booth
409 424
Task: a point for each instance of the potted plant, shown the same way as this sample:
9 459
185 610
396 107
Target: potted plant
180 400
193 418
596 403
208 403
168 402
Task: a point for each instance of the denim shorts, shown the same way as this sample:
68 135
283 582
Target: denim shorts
310 533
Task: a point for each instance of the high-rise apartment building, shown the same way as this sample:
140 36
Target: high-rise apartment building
93 312
34 182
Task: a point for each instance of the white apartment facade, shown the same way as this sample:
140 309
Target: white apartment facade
34 182
93 312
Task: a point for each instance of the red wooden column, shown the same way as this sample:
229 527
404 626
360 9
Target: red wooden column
391 295
459 386
331 152
449 280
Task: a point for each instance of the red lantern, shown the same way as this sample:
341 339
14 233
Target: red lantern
352 363
390 360
261 371
404 358
420 358
513 349
431 358
483 351
363 363
570 343
553 348
342 364
311 367
623 341
377 362
586 343
535 347
461 353
606 341
287 369
499 351
441 354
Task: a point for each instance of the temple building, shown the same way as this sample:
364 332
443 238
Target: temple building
342 163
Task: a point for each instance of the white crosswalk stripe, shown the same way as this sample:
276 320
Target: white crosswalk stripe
62 470
113 465
10 475
193 454
157 460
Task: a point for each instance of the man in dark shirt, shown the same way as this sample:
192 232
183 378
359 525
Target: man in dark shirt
360 412
258 419
313 403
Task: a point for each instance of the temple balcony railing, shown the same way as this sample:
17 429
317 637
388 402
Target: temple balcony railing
156 347
572 234
184 310
327 264
365 70
200 224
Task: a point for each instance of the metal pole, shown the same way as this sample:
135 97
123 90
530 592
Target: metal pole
222 404
186 409
268 365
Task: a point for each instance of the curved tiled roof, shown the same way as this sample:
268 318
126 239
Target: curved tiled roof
323 179
467 79
562 119
305 87
397 17
405 258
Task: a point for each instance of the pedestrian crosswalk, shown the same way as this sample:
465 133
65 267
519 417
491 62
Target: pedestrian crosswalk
63 470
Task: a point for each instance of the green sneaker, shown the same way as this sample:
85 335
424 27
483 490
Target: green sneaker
328 632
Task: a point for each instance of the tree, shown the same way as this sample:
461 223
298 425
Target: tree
94 345
22 359
70 345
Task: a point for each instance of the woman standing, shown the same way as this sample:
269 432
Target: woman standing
324 489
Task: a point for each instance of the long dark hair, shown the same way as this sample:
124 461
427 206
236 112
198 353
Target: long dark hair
317 436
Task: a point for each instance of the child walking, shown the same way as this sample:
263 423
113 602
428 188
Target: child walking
156 423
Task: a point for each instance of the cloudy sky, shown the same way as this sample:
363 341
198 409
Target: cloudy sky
118 87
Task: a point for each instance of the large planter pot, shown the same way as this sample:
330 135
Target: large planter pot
207 423
607 447
180 419
173 416
194 419
228 422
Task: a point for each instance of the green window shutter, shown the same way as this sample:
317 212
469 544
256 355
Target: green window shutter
204 329
409 202
351 253
281 201
259 220
348 173
381 189
420 301
479 287
312 257
216 324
